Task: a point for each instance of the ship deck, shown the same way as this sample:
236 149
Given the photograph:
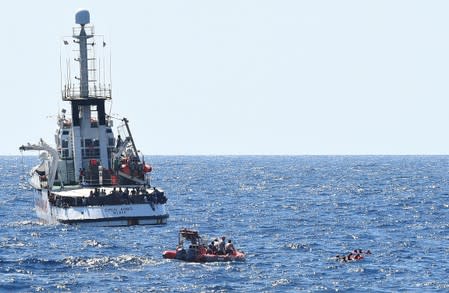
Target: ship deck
81 192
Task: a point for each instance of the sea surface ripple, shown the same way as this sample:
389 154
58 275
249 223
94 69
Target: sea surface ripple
290 214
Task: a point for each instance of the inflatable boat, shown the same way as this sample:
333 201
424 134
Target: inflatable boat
198 251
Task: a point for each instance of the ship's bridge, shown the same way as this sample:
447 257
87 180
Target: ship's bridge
87 86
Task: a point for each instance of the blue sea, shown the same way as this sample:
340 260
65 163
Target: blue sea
290 214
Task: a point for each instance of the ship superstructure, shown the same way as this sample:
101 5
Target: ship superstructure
92 176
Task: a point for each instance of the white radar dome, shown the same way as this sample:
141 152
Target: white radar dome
82 17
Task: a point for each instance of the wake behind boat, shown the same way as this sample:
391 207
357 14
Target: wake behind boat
92 176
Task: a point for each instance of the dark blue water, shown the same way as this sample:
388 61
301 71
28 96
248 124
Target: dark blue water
290 214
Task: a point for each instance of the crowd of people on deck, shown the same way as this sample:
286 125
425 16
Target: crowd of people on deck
130 195
99 196
134 191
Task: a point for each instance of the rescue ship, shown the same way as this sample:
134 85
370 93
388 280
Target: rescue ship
92 176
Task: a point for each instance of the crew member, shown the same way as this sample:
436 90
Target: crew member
229 248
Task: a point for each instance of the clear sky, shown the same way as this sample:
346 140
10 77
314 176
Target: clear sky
243 77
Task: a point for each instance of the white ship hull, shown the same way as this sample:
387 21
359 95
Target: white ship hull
104 215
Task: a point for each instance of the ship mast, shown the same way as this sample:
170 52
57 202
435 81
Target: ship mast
83 19
87 97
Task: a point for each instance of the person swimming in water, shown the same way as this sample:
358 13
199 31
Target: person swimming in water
360 251
356 254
